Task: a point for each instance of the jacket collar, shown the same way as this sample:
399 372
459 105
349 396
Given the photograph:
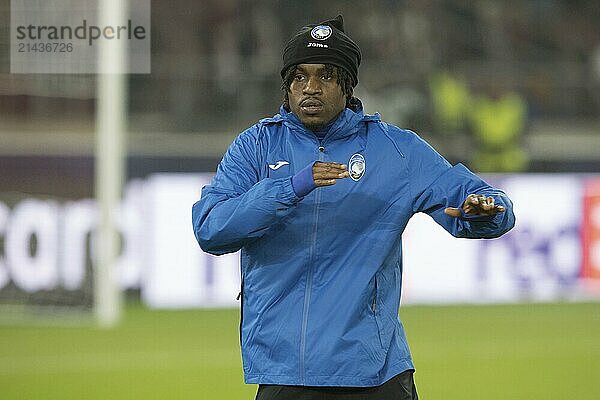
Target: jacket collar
346 124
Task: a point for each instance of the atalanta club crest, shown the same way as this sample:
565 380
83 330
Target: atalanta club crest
357 166
321 32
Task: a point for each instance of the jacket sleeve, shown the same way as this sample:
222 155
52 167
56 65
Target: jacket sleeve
435 185
237 208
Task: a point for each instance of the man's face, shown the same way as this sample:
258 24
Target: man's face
315 95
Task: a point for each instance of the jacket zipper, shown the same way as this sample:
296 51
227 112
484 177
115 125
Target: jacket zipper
309 275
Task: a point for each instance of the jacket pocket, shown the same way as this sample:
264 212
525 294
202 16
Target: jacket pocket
240 297
385 329
374 308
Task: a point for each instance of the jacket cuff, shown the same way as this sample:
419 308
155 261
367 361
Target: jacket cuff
303 182
481 218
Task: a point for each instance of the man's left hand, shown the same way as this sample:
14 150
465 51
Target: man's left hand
476 204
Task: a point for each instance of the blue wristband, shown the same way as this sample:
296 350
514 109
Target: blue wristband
303 182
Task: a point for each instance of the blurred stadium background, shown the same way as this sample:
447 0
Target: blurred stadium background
511 89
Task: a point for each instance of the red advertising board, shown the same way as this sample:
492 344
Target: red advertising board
590 230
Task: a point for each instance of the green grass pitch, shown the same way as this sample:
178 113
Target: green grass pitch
532 351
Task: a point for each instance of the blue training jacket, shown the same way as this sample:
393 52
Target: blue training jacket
322 274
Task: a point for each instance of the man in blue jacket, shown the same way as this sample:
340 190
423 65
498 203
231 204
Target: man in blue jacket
316 198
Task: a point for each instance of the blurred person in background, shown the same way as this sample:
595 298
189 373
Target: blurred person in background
316 198
498 122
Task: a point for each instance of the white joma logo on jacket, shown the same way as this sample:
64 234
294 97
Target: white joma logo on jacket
278 165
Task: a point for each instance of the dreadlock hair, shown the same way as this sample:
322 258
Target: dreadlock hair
343 79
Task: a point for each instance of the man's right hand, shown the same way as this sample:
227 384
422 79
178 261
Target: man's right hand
326 173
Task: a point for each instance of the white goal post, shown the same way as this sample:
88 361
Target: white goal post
110 164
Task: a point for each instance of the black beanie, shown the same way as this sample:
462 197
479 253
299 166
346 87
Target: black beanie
323 43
